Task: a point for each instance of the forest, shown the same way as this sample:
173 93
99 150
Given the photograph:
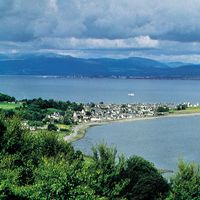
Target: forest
41 166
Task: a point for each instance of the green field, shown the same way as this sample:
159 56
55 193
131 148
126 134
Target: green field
9 106
64 127
64 130
189 110
52 110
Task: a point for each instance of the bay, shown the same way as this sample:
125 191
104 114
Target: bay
162 141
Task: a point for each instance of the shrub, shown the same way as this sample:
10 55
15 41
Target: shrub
186 182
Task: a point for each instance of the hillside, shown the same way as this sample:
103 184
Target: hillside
134 67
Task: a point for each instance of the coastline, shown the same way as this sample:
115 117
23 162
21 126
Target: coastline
102 77
79 131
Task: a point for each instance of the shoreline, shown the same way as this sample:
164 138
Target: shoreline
79 131
104 77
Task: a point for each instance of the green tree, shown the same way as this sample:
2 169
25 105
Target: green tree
58 179
2 132
182 107
12 138
39 166
68 118
162 109
4 97
185 184
52 127
145 181
107 180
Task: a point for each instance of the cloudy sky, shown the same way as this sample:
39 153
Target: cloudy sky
161 29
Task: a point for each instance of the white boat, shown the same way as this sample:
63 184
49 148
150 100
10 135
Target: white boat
131 94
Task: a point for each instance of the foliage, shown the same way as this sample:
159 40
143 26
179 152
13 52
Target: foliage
37 110
9 105
36 123
60 105
24 157
7 112
181 107
134 178
186 182
145 181
2 132
63 181
4 97
12 138
68 118
107 171
52 127
162 109
88 113
39 166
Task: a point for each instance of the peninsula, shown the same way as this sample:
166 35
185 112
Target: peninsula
70 120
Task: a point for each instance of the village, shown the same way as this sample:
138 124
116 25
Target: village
108 112
101 112
105 112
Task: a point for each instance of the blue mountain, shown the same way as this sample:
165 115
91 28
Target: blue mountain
133 67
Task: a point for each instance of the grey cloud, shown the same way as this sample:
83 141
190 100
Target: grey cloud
147 27
30 19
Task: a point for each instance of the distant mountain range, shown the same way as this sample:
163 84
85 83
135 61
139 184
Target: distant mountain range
133 67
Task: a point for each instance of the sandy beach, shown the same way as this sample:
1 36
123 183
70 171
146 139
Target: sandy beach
80 130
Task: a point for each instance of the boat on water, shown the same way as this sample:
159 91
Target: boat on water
131 94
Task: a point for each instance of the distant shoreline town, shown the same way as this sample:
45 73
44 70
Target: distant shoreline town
46 76
95 113
107 112
69 117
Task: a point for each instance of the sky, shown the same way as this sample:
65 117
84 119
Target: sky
166 30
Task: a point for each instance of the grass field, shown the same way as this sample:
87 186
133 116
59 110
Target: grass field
64 130
187 110
9 106
64 127
52 110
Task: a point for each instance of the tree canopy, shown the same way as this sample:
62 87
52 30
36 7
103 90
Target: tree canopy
186 182
4 97
40 166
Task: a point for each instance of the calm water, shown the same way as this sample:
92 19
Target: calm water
96 90
162 141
